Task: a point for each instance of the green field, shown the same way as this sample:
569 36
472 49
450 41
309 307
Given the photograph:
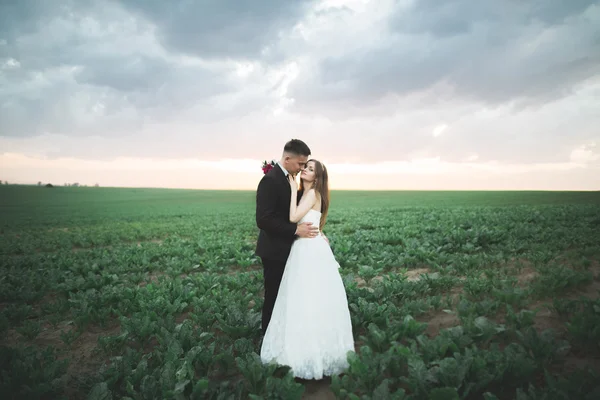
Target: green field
156 294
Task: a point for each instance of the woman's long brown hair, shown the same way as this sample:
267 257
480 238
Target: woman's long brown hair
321 186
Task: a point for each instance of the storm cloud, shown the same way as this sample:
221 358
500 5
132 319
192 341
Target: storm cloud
489 52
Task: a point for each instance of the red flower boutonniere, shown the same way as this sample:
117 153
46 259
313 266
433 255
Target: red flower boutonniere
267 166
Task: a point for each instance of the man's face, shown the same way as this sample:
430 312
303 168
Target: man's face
295 164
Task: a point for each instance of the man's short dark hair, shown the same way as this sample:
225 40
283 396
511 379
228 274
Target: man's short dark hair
297 147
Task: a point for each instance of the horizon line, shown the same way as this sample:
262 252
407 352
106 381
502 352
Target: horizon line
331 190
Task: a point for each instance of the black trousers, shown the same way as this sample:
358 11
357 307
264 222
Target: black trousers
273 272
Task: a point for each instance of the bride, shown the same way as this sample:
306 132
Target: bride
310 328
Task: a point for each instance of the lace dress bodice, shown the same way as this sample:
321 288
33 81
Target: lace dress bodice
313 216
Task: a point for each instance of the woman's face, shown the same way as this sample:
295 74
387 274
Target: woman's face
308 173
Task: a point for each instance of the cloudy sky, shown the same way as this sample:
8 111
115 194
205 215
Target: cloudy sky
390 94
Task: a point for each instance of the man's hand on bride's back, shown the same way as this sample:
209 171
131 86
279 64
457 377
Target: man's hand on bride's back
307 230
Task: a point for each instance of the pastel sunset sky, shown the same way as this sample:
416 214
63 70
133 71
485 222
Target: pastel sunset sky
389 94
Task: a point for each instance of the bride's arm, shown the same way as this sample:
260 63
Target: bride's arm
306 203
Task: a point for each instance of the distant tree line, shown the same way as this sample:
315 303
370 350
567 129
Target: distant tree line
67 184
40 183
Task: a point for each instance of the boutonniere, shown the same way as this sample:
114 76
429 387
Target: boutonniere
267 166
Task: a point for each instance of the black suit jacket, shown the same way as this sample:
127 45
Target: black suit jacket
277 233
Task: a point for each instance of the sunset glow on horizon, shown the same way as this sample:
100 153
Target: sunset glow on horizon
244 174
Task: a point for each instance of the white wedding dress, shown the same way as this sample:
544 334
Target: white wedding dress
310 329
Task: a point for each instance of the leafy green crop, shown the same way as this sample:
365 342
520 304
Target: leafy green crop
112 293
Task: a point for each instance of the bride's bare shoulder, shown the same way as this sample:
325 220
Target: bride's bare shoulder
317 200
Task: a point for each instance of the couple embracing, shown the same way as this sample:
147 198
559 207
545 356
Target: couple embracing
305 320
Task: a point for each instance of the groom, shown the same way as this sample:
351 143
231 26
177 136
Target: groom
277 233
